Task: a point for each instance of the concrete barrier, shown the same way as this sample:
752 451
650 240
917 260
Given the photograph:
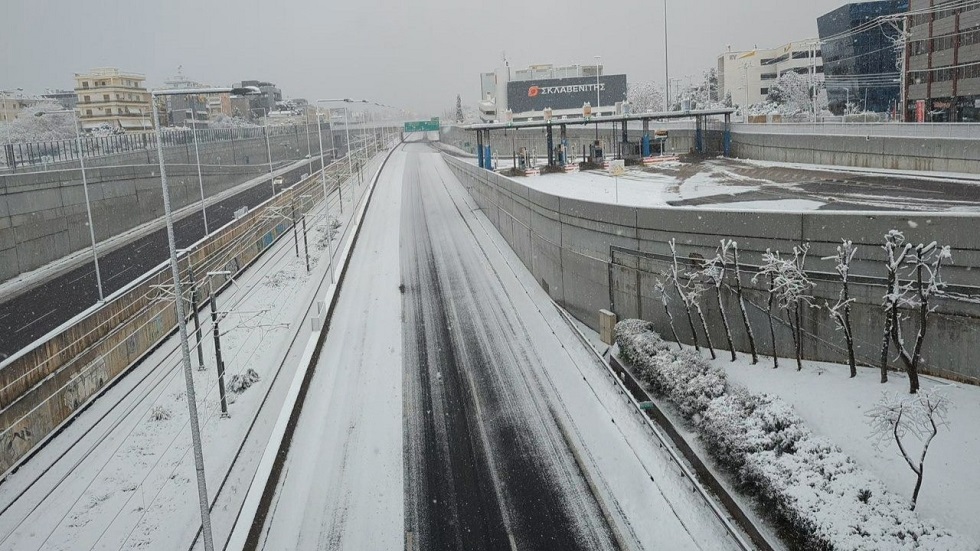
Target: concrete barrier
43 387
592 256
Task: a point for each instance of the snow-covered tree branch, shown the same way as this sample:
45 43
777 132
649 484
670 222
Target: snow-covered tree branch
919 418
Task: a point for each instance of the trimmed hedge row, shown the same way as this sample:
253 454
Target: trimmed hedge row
820 492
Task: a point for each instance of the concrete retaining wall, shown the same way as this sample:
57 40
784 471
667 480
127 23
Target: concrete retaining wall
887 152
590 256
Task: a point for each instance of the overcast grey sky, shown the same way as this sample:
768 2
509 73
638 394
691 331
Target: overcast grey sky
415 54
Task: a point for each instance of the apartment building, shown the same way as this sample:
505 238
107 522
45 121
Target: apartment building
12 103
109 96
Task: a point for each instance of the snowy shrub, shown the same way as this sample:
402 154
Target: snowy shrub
827 500
637 341
241 383
160 413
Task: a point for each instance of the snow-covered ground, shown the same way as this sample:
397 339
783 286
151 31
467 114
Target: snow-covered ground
122 474
835 406
756 185
640 188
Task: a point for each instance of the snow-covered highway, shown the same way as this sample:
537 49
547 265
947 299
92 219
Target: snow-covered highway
453 407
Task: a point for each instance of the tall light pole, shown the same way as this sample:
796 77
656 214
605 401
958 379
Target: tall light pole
197 156
268 147
309 149
350 162
202 488
350 159
666 60
597 96
323 182
88 204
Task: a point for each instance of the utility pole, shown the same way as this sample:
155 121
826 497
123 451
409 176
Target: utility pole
292 217
217 343
306 244
197 320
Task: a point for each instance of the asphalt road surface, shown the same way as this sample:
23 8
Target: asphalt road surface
32 314
486 465
419 429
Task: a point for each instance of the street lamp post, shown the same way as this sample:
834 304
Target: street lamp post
197 156
202 488
597 96
88 204
323 182
666 60
309 148
350 162
268 147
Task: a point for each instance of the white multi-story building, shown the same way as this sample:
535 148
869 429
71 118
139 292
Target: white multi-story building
12 103
747 75
524 94
110 96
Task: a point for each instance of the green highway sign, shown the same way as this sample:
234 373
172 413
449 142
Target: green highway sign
422 126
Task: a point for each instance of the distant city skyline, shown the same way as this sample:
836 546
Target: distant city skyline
416 56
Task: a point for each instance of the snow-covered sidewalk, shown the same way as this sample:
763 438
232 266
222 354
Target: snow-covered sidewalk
122 475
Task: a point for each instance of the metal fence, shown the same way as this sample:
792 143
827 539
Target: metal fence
44 153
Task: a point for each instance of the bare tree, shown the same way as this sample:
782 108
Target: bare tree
791 287
896 250
841 312
770 300
695 289
714 272
925 262
733 246
665 300
918 417
675 279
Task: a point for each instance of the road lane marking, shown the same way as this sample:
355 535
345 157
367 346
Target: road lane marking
85 274
128 268
36 320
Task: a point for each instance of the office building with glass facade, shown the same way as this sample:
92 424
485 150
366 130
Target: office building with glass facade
862 61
